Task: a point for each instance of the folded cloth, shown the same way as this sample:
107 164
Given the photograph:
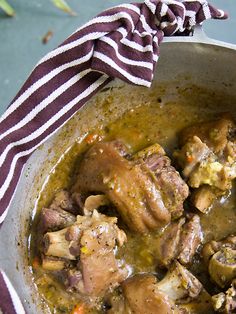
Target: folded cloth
9 300
122 42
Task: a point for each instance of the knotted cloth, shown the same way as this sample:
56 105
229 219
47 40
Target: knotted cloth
122 42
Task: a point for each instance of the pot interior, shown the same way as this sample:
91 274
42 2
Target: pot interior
197 74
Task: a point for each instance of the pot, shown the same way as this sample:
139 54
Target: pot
197 61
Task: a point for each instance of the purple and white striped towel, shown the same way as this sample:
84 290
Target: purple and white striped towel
121 42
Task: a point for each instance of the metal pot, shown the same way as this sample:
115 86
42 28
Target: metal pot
184 61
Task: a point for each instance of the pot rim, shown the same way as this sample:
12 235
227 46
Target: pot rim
199 37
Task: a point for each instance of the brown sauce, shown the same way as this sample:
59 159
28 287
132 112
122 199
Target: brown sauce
139 127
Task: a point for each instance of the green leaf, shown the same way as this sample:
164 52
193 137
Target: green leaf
6 8
62 5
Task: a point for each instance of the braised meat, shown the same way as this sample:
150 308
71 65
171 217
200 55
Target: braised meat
54 219
204 196
180 241
142 293
92 242
190 240
215 134
145 197
220 257
63 200
171 186
225 302
60 214
142 296
208 159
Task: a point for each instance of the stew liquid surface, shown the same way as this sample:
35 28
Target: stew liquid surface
138 128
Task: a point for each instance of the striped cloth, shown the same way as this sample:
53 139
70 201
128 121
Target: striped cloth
121 42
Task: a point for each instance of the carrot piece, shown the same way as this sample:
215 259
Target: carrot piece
90 138
190 158
79 309
35 262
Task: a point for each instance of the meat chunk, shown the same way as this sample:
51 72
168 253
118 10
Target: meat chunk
225 302
205 167
99 267
220 257
54 219
172 187
60 214
190 240
91 241
208 159
179 283
145 199
203 197
167 245
63 200
179 241
215 134
192 153
143 294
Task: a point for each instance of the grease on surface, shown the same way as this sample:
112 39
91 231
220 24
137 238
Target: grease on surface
156 117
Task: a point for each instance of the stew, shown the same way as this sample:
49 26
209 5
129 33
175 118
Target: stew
140 216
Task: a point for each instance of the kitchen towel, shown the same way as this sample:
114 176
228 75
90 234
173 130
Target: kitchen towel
122 42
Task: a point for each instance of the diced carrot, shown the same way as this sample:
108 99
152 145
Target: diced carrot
79 309
90 138
35 262
190 158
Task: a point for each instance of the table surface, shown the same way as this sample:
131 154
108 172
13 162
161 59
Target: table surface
21 44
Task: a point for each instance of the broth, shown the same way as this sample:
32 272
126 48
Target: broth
139 127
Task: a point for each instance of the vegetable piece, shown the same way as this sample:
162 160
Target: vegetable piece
179 283
62 5
5 6
222 266
35 262
79 309
91 138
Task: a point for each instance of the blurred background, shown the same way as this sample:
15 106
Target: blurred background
38 26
